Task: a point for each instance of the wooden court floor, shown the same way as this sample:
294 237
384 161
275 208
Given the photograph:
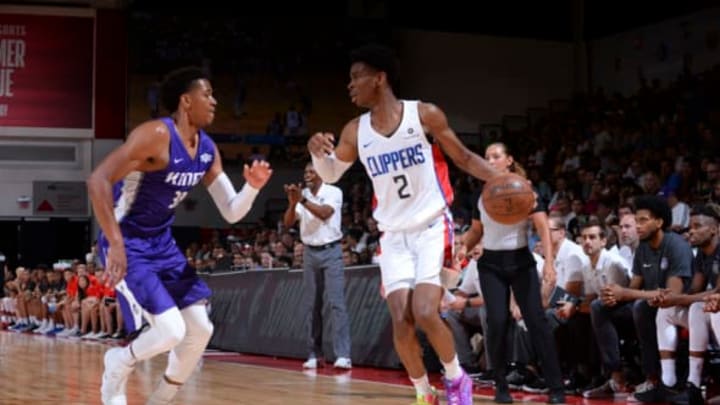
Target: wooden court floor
42 370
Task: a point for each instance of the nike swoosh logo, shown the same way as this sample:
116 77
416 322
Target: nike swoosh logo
367 144
177 161
647 265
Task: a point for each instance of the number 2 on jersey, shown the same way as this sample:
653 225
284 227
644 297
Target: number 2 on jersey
403 190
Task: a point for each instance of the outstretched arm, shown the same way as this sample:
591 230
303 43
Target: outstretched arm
435 120
233 206
330 162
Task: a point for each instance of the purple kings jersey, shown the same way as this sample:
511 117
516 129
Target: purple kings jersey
145 201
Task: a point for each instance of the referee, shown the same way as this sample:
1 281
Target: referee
318 207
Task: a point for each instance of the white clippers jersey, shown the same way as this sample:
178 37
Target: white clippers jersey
409 174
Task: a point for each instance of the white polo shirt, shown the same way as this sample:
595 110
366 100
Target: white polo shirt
313 230
609 269
569 263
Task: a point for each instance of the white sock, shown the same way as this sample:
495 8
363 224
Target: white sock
668 372
452 369
695 371
422 385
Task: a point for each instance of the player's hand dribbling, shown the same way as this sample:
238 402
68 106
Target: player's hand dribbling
321 144
116 264
257 174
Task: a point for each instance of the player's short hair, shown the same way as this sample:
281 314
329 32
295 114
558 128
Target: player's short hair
594 222
709 210
657 206
177 83
380 58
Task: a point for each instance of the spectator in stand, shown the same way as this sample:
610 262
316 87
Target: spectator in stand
467 316
680 212
24 287
89 294
67 305
686 310
662 261
110 315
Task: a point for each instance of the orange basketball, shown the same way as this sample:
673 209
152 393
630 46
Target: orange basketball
508 198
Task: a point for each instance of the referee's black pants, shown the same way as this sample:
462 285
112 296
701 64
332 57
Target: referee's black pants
499 271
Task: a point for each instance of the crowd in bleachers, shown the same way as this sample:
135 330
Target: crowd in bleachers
587 162
71 299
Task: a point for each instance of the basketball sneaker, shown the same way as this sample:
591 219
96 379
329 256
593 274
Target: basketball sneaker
115 378
343 362
311 363
459 390
428 399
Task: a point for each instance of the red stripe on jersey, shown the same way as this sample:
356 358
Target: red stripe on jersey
373 202
449 242
443 177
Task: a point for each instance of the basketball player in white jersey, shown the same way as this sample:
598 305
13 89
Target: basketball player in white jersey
397 142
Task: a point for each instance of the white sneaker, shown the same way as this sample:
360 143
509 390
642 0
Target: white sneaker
311 363
639 389
42 329
68 332
115 378
343 362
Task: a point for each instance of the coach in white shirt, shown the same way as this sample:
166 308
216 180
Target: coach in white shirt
318 207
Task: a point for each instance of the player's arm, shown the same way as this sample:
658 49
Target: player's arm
542 227
233 206
294 196
139 152
635 292
472 236
697 292
436 122
331 162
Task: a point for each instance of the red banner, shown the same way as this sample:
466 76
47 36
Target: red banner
46 71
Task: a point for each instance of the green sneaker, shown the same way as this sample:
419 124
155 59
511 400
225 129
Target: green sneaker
428 399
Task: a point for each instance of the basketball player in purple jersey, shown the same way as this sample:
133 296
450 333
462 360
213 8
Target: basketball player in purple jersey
134 192
397 142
